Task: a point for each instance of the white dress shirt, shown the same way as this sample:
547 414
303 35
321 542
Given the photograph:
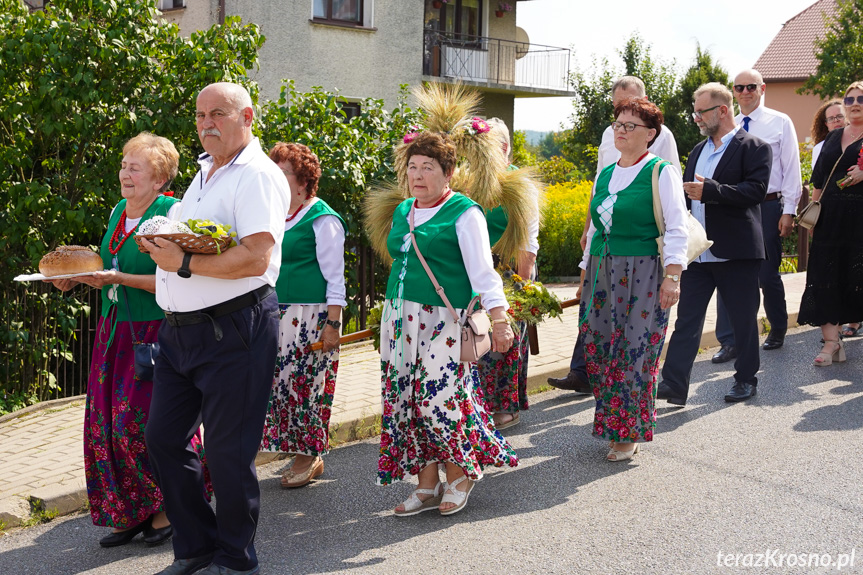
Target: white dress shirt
250 194
777 129
663 146
330 251
674 210
472 233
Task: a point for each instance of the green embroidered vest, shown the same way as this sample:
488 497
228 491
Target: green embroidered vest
438 242
300 278
496 221
132 261
633 229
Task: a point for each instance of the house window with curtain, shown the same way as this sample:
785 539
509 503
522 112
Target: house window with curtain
165 5
457 18
348 12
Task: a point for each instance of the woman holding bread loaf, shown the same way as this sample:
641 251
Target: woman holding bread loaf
121 488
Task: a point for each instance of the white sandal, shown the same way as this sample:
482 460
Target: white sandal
453 495
414 505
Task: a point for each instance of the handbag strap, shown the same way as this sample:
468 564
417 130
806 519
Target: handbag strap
657 203
437 287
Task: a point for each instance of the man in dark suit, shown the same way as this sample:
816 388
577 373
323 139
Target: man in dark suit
725 182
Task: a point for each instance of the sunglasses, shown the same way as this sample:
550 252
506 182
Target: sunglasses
748 87
849 100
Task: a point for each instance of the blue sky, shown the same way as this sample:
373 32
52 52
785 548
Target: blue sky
735 32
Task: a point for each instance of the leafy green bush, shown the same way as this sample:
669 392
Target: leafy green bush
77 80
563 223
558 170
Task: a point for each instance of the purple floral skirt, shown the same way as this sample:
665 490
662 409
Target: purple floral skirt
503 376
121 487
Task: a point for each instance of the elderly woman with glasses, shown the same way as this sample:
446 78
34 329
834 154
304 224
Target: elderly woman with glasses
628 285
834 278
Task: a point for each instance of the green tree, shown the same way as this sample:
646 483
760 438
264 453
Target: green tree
76 81
839 52
678 108
521 155
592 105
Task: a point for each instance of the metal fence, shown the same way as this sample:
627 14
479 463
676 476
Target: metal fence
482 59
27 323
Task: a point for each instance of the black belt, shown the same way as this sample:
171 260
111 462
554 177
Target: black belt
182 318
773 196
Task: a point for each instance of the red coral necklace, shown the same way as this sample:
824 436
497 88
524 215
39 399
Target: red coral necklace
120 237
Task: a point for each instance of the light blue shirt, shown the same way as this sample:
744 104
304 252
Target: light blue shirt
706 164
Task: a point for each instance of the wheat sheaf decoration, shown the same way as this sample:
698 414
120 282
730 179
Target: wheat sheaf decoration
482 172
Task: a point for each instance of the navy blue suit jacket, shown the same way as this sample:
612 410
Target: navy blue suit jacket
732 197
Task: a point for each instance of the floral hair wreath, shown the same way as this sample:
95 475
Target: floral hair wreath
477 126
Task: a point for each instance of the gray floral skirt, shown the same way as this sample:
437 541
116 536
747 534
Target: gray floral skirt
623 331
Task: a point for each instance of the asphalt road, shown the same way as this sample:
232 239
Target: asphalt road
752 484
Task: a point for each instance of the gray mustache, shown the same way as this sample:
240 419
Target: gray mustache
212 132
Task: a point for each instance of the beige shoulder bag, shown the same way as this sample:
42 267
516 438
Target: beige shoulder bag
697 242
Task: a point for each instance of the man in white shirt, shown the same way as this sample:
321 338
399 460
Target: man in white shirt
219 342
777 211
666 148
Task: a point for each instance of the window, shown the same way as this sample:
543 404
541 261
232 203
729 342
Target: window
171 4
351 109
459 18
35 4
342 11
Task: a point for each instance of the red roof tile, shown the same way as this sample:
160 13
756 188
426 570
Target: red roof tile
791 54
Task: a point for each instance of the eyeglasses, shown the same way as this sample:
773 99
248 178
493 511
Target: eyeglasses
836 118
748 87
627 126
696 115
849 100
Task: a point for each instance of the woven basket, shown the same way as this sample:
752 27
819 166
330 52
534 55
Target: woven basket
190 242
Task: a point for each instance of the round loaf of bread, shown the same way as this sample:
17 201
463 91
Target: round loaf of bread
70 260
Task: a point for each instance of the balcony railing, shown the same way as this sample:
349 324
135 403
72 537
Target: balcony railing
481 59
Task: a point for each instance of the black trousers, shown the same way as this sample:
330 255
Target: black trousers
768 278
226 385
736 281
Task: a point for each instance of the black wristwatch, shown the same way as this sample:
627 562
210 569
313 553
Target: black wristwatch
184 271
334 323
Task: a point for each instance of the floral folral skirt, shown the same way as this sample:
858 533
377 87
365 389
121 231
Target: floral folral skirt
432 410
623 339
298 417
121 487
504 376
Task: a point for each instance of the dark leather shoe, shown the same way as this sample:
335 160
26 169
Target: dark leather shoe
573 381
123 537
725 353
774 340
214 569
664 391
153 536
740 392
187 566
